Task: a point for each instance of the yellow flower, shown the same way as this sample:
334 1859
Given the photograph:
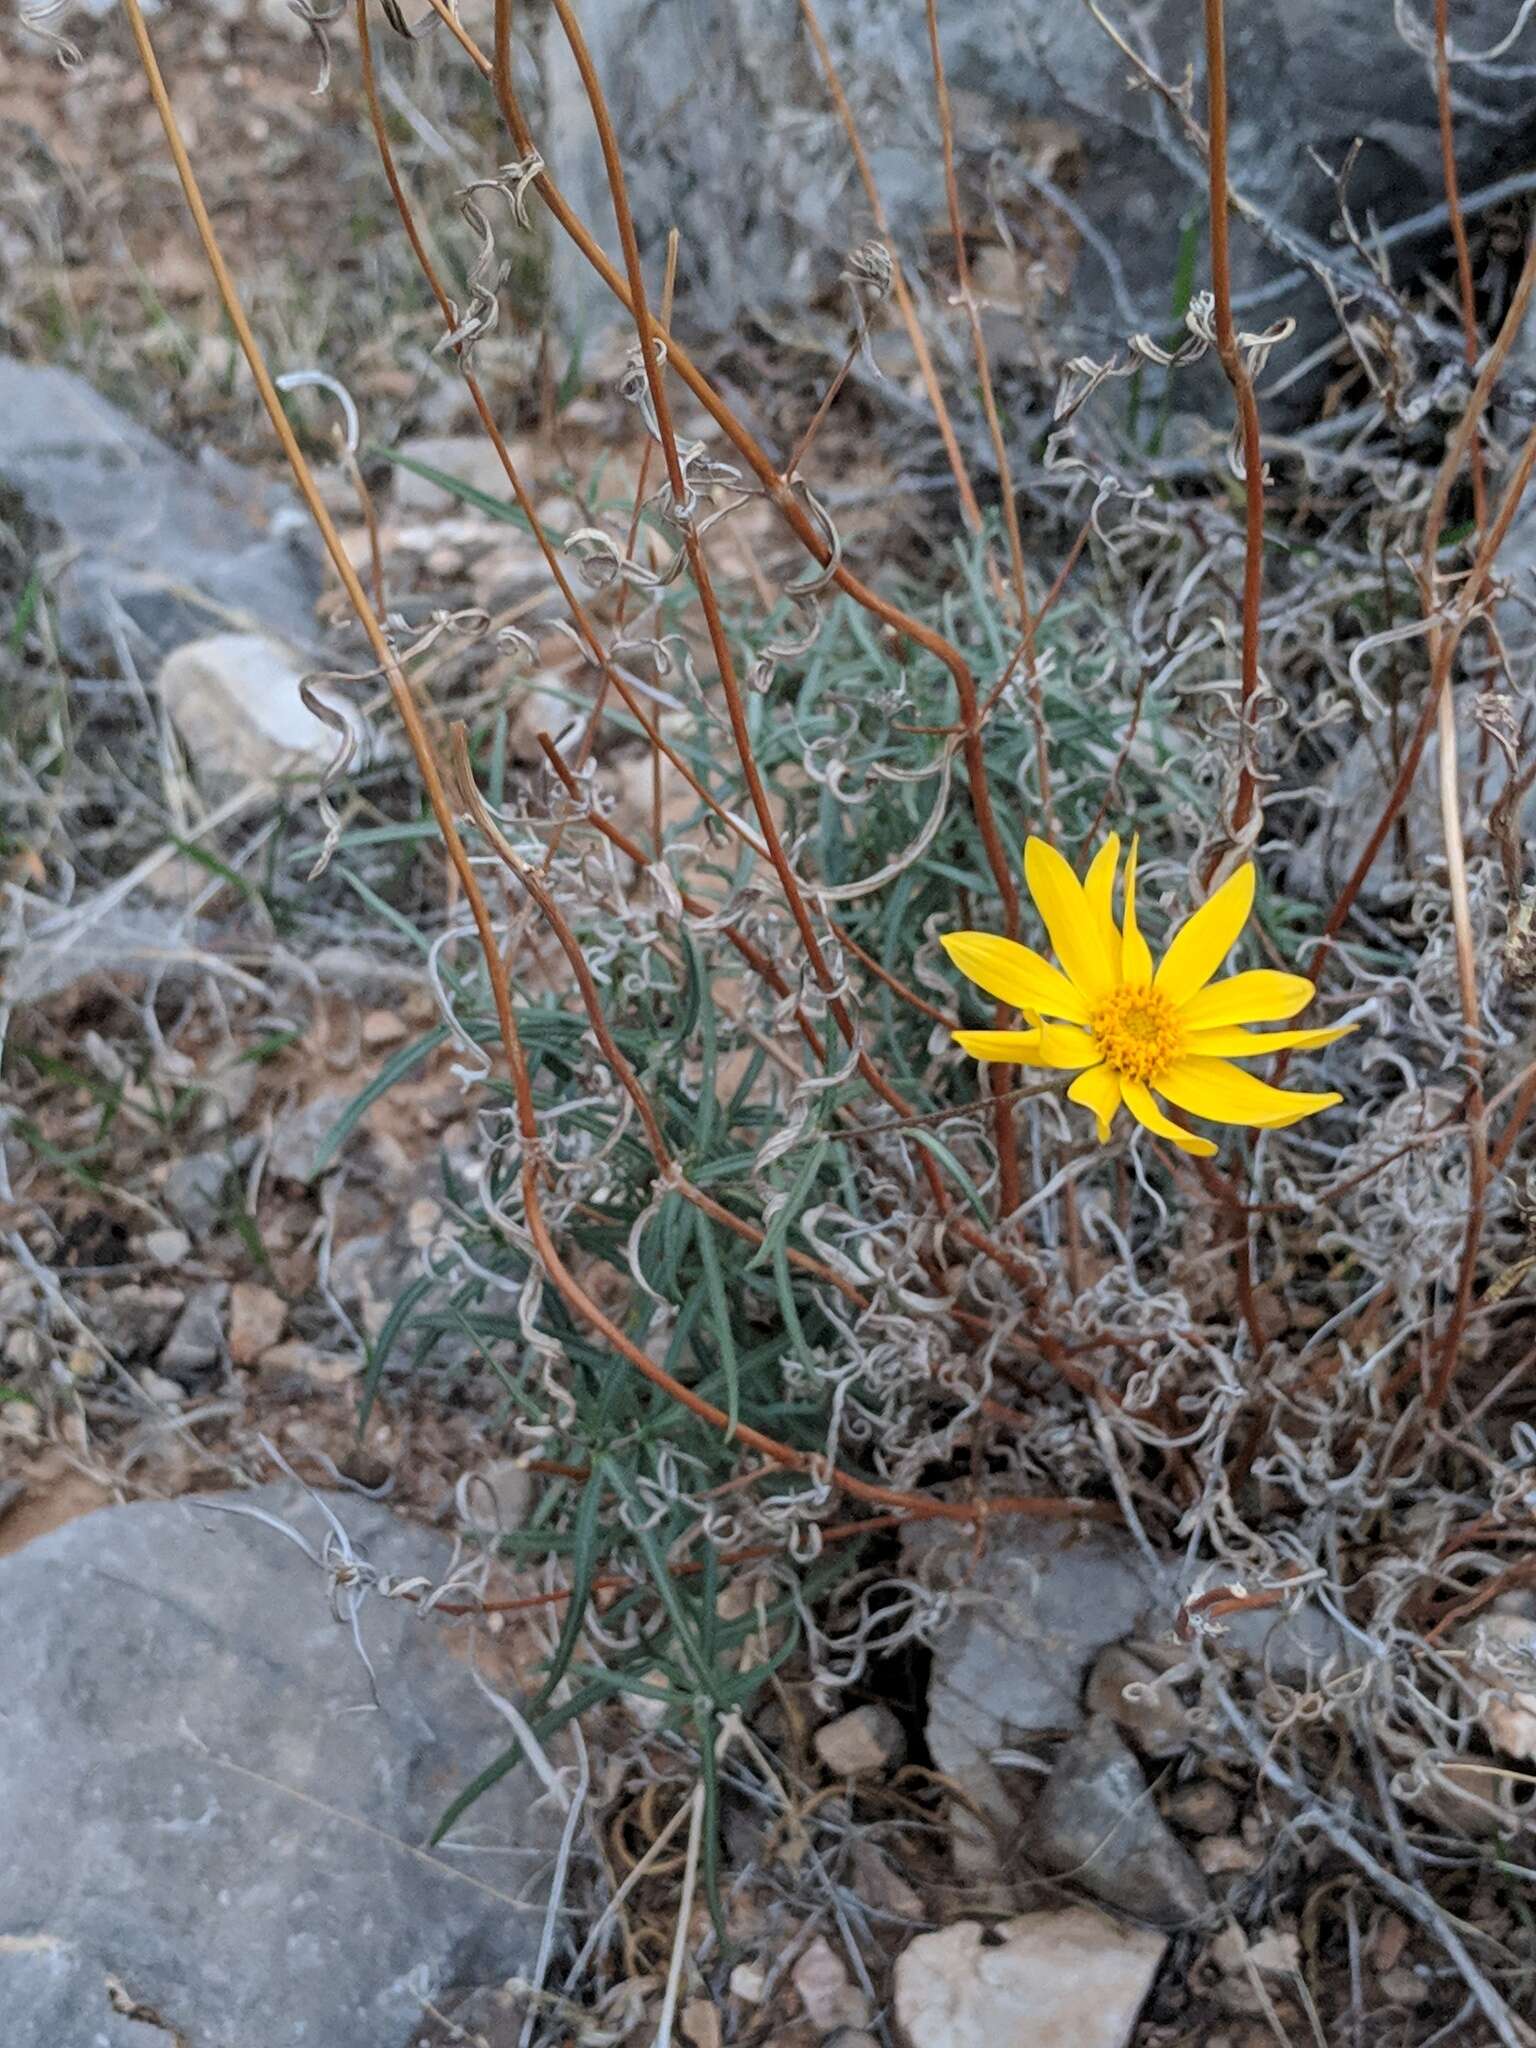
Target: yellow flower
1128 1027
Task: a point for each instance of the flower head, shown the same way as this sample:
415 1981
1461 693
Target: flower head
1129 1027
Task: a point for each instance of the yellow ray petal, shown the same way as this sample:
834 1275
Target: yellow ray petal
1135 954
1224 1093
1139 1102
1206 937
1053 1045
1229 1042
1081 946
1014 974
1099 888
1098 1090
1260 996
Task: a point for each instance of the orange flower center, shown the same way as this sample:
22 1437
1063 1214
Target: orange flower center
1138 1032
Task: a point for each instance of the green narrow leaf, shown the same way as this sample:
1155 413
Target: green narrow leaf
704 1674
26 611
956 1171
570 381
225 873
394 1323
777 1233
788 1307
394 1069
394 918
544 1727
483 501
584 1549
720 1317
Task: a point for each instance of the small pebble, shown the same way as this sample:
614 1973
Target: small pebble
748 1983
383 1027
25 1350
865 1740
829 1995
1277 1950
1226 1856
1403 1986
256 1319
1204 1808
700 2024
167 1247
325 1368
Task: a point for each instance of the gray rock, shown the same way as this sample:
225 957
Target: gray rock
299 1134
1028 1621
1069 1978
134 1322
200 1801
167 1247
697 86
235 699
1095 1823
1123 1686
194 1189
197 1341
1029 1618
1033 1614
153 546
40 1973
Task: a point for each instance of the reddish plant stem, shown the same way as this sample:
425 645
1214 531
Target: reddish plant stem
1231 358
585 625
594 717
1520 1111
1465 288
995 432
970 510
1450 795
1010 1191
777 489
725 667
1467 600
576 1297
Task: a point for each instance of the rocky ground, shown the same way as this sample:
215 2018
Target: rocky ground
279 1572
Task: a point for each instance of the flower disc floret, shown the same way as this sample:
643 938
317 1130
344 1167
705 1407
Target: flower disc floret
1138 1032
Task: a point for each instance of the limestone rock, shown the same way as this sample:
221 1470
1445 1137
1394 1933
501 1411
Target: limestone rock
234 698
697 88
197 1342
154 549
1096 1823
257 1317
1067 1979
200 1798
864 1740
